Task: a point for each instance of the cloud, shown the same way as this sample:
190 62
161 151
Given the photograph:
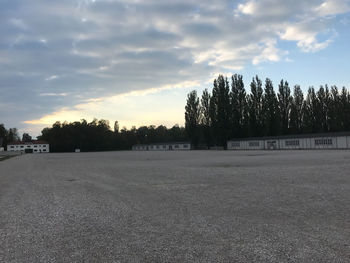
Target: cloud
306 37
51 77
135 100
100 49
333 7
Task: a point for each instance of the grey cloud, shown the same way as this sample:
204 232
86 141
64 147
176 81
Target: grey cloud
107 47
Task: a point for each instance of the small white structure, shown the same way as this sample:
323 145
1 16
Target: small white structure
30 147
171 146
339 140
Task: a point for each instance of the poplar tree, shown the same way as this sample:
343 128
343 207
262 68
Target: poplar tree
296 111
220 111
271 110
321 112
309 112
345 109
205 116
334 110
255 107
239 108
285 101
192 117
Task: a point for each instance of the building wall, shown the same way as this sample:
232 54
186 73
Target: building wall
162 147
37 148
326 142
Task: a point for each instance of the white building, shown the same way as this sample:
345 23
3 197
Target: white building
29 147
171 146
339 140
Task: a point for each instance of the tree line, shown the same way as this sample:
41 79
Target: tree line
7 136
11 135
99 136
228 111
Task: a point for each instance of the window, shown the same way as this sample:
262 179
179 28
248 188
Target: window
22 146
28 146
323 141
164 146
157 146
176 146
254 144
293 143
35 146
44 150
44 146
185 145
12 146
236 144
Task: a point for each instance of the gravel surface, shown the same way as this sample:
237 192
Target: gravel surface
197 206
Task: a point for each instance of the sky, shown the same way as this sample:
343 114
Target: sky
135 61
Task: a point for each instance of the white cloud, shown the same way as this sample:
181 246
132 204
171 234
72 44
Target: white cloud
18 23
106 48
333 7
53 94
269 53
305 37
51 77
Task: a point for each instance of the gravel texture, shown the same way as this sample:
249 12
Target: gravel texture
196 206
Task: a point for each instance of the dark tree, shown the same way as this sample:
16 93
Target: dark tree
334 110
296 111
309 112
270 110
116 127
321 110
239 108
205 117
345 109
285 101
255 102
26 137
220 112
192 117
12 135
3 136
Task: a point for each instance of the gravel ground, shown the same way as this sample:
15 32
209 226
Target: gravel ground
197 206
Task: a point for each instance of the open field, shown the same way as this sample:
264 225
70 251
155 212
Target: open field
196 206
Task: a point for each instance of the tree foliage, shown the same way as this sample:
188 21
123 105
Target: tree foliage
98 136
6 136
234 113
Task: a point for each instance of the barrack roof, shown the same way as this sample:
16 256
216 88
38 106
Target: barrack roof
161 143
27 143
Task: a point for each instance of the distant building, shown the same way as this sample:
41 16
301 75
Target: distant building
170 146
29 147
337 140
